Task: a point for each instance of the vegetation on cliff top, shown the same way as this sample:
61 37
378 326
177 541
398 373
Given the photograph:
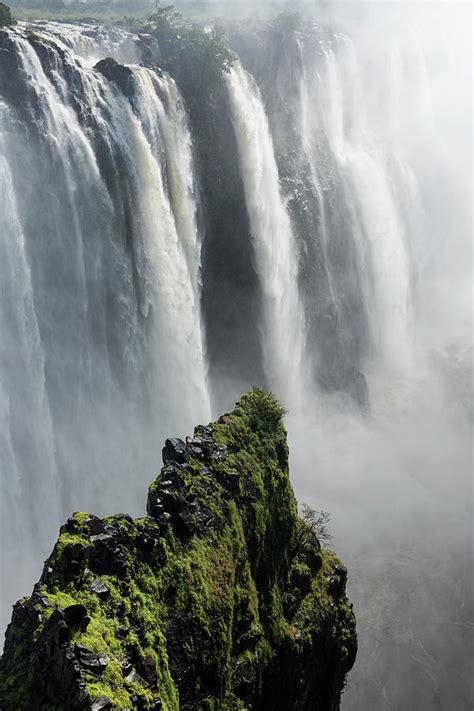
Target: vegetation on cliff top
189 51
221 598
6 17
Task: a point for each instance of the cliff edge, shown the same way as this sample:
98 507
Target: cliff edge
220 598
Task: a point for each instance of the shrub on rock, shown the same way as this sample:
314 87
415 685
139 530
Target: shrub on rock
6 17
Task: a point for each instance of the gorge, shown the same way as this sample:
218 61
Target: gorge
187 212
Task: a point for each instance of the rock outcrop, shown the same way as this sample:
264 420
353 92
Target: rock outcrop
220 598
118 73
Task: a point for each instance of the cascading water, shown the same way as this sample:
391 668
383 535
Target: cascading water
363 161
330 176
366 141
171 240
100 292
91 43
23 396
338 142
273 240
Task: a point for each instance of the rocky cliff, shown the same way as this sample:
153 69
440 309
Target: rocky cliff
220 598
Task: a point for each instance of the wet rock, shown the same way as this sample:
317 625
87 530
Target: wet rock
229 480
172 500
122 632
184 523
100 589
219 453
75 552
77 617
93 663
103 537
106 558
148 669
175 450
118 73
163 502
204 432
140 703
60 676
96 525
205 519
203 445
25 614
182 661
134 677
149 47
155 508
151 547
337 582
38 598
55 632
101 704
80 696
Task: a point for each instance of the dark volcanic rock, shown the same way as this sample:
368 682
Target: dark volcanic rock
93 663
60 676
105 557
175 450
101 704
100 589
76 616
221 597
118 73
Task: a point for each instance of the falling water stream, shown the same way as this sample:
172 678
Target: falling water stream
350 213
273 239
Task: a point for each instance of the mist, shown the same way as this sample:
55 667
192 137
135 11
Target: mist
398 478
309 231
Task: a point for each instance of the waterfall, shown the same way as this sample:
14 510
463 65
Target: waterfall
273 240
376 151
169 239
100 290
23 396
334 117
91 43
167 205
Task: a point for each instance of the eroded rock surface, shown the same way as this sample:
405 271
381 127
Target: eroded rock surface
218 599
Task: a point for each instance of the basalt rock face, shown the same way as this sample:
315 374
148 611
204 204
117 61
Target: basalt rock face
221 598
118 73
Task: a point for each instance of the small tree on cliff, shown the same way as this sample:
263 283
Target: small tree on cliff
6 17
312 530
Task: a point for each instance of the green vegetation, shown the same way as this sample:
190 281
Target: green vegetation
314 523
218 598
6 17
105 10
183 43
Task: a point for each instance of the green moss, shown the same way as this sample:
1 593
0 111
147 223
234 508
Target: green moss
205 616
119 697
81 518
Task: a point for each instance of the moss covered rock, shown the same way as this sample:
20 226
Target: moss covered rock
218 599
